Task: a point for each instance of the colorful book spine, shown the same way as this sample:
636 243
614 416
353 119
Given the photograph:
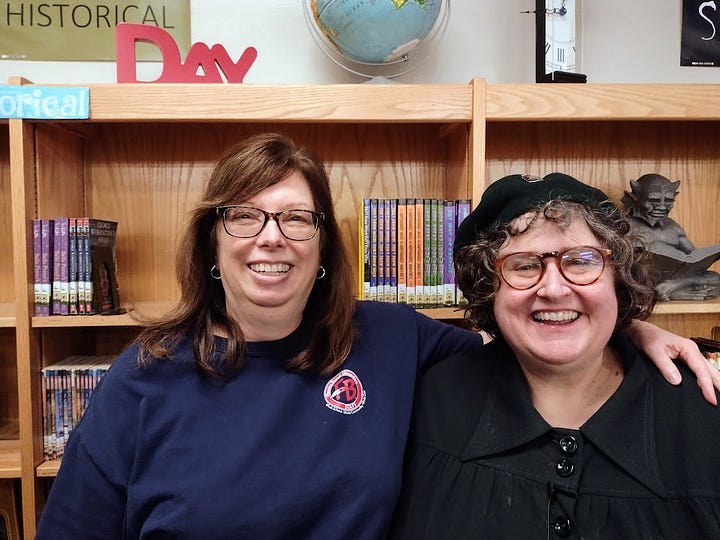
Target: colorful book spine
434 298
419 253
392 265
72 267
410 241
427 254
449 227
37 258
46 265
373 249
463 211
402 250
61 276
83 265
364 268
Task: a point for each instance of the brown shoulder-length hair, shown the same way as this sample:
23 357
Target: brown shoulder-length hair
476 276
241 173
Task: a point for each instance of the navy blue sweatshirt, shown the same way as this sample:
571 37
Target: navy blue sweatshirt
166 452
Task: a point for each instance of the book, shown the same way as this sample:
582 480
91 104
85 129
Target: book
392 263
427 253
104 290
47 234
83 265
419 253
463 211
410 257
67 386
671 263
61 275
72 267
37 276
449 227
374 249
402 250
364 252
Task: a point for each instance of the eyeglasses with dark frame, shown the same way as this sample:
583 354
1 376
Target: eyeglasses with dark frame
247 221
581 265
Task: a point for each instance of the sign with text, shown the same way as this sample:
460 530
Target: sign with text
700 41
203 64
44 102
85 30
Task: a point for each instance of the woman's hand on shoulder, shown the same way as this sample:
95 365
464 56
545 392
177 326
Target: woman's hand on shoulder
662 347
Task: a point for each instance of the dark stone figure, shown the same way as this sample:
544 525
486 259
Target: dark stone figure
681 269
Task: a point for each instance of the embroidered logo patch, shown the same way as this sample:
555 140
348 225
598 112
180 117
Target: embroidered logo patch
344 393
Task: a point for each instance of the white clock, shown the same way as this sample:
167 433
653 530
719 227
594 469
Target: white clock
556 41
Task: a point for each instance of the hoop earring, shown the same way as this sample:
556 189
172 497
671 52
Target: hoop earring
215 273
321 273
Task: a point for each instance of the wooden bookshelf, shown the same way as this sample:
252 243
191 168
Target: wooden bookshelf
146 150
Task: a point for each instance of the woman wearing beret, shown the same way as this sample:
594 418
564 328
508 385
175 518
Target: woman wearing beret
557 428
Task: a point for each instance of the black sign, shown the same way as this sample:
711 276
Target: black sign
700 42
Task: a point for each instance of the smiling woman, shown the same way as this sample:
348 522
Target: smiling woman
562 416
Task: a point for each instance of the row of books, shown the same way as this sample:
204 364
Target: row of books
405 250
75 272
67 387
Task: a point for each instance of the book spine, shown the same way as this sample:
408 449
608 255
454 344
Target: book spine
419 252
373 249
449 220
410 241
364 251
72 267
46 265
87 253
383 285
63 253
402 250
463 211
83 263
56 272
434 254
393 251
427 253
37 258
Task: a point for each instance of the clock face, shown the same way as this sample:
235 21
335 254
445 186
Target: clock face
559 35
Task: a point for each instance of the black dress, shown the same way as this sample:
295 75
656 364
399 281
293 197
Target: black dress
482 462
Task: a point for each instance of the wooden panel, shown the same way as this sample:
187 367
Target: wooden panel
610 154
147 176
7 284
288 103
9 415
603 102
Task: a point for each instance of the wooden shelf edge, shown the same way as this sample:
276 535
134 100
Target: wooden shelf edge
404 103
602 102
48 469
685 308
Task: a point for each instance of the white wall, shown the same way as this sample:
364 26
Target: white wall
622 41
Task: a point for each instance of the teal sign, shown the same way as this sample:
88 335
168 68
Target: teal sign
44 102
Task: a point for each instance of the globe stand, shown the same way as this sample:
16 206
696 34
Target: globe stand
412 55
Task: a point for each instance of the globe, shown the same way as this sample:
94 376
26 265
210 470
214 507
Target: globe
376 38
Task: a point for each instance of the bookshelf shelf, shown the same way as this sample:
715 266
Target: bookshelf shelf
7 315
146 150
10 458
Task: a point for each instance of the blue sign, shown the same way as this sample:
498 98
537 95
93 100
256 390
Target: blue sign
44 102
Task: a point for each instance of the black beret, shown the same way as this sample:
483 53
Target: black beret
513 195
